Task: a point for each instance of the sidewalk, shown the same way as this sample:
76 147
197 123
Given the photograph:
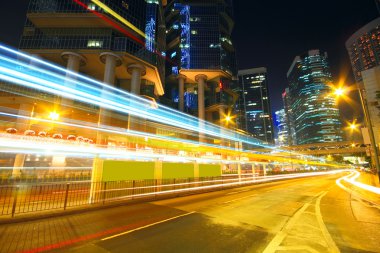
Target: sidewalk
369 178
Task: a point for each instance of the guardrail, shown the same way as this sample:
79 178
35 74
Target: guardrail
33 198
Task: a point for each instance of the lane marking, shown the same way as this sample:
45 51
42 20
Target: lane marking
238 192
146 226
239 198
274 245
330 242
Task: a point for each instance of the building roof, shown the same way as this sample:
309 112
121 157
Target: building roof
365 29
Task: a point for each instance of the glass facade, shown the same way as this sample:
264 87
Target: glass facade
258 115
282 128
199 35
314 111
364 48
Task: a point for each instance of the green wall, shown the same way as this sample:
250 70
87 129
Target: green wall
177 170
210 170
127 170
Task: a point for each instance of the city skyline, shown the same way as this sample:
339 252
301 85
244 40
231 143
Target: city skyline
256 48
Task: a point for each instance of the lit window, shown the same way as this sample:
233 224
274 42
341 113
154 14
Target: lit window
194 32
95 43
91 6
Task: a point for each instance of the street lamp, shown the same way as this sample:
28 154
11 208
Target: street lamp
339 92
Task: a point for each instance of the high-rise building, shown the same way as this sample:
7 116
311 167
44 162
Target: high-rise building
201 58
258 115
364 48
282 128
96 37
313 109
286 99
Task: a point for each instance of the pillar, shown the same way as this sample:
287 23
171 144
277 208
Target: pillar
181 92
264 169
73 62
201 79
136 71
253 170
158 174
111 61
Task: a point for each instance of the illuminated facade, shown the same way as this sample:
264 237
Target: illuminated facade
314 111
59 30
282 128
364 48
286 99
258 115
198 36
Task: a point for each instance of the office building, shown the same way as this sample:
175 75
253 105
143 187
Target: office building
282 128
364 48
314 111
201 58
286 99
258 115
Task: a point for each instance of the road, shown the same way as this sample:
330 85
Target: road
300 215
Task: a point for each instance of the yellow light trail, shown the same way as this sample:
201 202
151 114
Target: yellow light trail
118 17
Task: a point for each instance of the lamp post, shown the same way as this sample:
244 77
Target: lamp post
363 99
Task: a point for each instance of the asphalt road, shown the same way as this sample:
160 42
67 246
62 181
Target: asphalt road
301 215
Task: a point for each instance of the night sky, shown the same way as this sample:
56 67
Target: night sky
267 34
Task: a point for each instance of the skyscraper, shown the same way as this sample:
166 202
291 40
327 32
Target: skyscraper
201 57
258 115
282 128
313 110
364 48
289 120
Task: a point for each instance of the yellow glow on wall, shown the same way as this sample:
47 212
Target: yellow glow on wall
118 17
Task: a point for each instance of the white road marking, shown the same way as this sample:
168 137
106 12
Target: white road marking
146 226
237 192
239 198
274 245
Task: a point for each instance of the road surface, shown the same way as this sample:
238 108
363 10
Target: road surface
300 215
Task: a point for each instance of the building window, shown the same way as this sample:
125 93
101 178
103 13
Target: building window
95 43
194 32
91 6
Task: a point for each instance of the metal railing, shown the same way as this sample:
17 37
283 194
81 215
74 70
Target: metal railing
28 198
34 198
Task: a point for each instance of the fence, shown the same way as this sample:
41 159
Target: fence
27 198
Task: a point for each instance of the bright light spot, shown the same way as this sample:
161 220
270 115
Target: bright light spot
339 92
54 116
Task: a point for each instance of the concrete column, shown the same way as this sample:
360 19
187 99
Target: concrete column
158 174
111 61
239 171
253 170
96 180
201 79
196 170
181 92
73 62
137 71
264 169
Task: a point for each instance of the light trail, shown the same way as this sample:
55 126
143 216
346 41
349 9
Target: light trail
352 180
138 102
107 129
239 183
14 71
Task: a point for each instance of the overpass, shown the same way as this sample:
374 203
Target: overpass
332 148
